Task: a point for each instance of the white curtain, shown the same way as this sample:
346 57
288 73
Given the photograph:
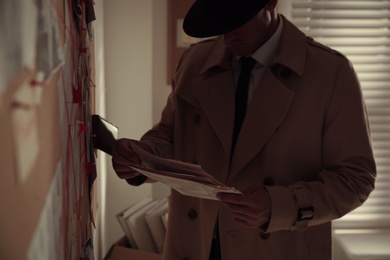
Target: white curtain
360 30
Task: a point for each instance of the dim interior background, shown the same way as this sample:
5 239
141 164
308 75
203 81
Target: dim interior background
140 71
136 87
132 49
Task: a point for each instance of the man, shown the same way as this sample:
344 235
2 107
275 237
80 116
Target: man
302 155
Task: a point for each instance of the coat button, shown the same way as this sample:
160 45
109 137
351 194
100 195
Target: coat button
196 119
192 214
264 235
285 73
268 181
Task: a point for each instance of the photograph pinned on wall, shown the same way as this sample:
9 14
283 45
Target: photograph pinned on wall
24 129
50 54
28 33
10 33
46 242
18 31
18 34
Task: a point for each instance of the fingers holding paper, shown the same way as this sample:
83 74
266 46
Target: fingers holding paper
252 209
122 156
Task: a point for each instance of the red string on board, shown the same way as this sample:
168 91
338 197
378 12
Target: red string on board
36 83
77 95
83 128
77 168
19 105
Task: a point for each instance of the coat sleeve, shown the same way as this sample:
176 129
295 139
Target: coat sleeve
349 170
160 137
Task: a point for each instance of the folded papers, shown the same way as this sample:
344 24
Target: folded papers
187 178
144 224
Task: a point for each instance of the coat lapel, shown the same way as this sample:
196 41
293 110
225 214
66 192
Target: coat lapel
271 99
269 104
216 98
215 94
268 107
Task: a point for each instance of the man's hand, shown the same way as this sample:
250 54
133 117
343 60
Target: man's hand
252 209
122 156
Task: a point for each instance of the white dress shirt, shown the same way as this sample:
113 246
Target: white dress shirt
263 55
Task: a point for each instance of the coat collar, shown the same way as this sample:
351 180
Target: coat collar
219 56
270 102
290 53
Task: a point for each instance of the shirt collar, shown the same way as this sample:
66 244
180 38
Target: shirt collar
265 52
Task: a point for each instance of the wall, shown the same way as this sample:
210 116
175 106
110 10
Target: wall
159 73
135 90
101 162
47 196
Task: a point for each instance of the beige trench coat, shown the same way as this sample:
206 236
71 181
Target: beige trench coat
305 137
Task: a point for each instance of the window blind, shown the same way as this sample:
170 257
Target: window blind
360 30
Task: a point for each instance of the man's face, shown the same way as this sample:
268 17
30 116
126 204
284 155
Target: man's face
249 37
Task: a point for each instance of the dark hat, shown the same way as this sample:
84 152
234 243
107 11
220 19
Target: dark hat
214 17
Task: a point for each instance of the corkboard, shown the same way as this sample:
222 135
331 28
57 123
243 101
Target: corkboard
46 98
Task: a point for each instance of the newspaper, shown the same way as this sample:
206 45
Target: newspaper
187 178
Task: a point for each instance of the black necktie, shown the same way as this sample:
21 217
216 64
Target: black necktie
247 64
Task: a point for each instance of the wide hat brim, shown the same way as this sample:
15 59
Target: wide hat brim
208 18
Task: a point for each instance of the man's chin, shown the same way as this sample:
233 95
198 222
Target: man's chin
239 50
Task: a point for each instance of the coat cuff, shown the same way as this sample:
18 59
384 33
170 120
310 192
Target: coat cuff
292 208
284 208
